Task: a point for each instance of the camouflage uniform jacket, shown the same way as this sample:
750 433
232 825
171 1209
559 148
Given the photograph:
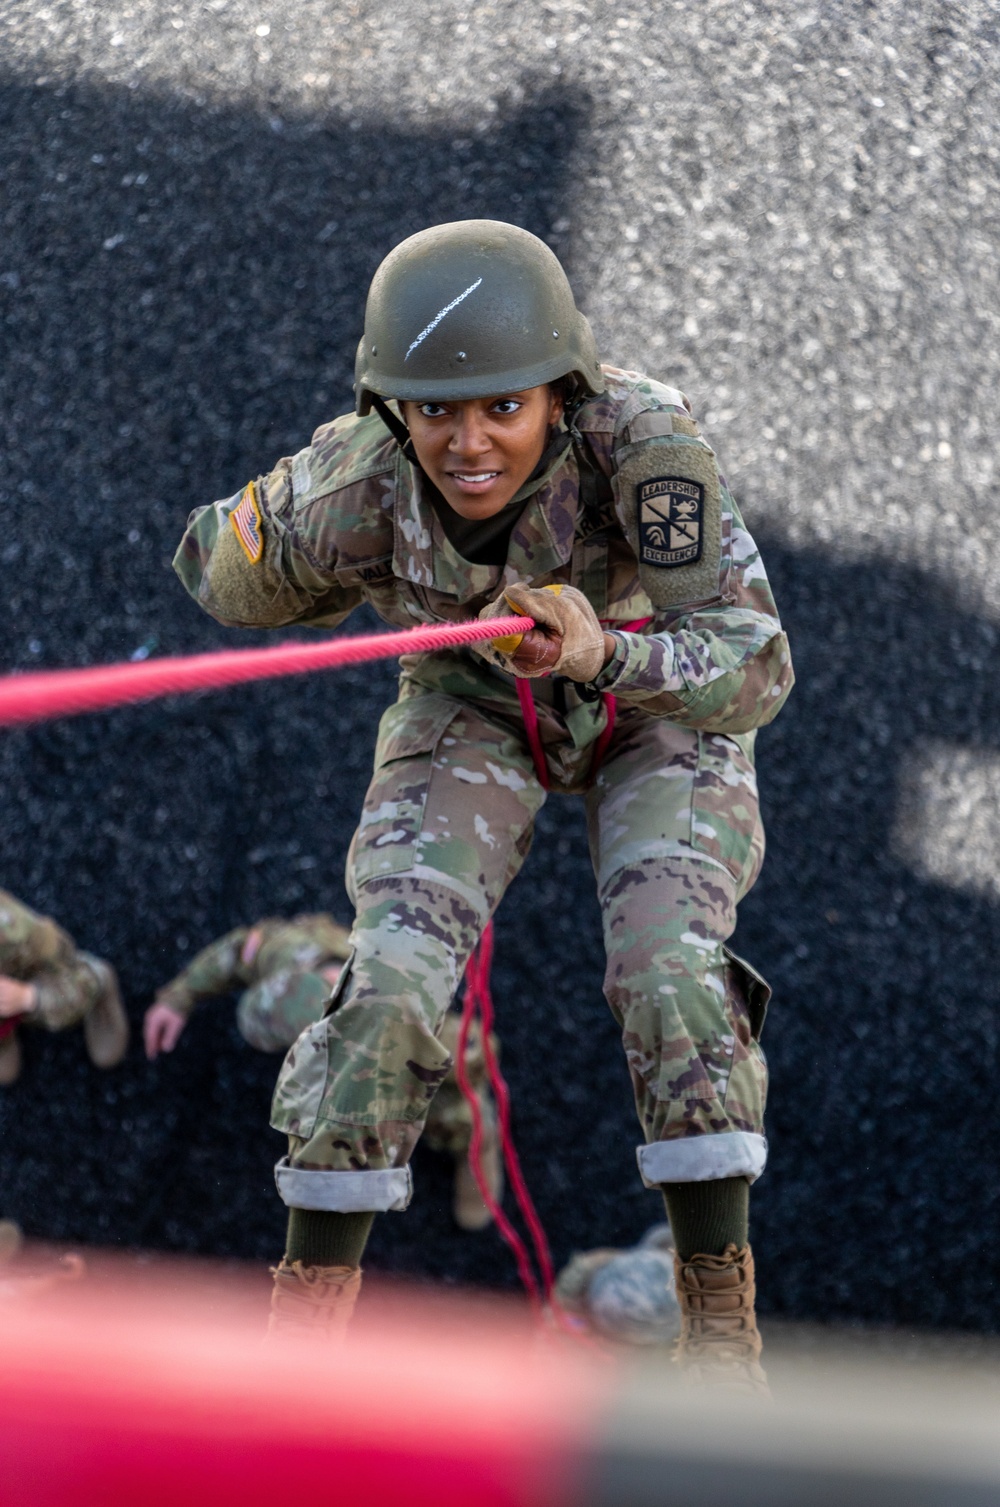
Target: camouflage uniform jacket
34 950
30 944
348 520
303 943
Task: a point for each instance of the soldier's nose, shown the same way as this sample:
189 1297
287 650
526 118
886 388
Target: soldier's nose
469 437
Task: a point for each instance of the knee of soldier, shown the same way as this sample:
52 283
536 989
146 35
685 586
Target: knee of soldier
398 980
665 922
666 986
410 935
678 903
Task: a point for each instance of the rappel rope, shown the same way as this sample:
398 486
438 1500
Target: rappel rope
43 694
479 1000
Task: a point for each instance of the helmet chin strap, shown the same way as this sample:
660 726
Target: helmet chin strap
396 427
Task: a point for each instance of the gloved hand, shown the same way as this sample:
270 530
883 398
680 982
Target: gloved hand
567 638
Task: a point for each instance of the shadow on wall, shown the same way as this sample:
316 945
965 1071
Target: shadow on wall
182 295
876 916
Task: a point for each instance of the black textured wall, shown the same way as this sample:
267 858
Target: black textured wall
181 307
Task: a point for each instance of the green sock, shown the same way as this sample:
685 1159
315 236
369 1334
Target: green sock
706 1217
318 1238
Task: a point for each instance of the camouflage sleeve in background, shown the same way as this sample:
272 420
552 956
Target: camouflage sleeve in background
217 969
64 995
722 668
30 943
33 949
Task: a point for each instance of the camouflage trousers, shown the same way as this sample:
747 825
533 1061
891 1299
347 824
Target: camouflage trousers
676 841
275 1011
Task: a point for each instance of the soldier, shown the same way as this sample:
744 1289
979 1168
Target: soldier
45 981
627 1296
285 971
493 465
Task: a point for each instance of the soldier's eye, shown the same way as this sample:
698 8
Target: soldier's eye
506 405
432 410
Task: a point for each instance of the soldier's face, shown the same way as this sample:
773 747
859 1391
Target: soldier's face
479 451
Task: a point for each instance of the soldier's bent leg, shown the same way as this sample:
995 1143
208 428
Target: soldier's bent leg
354 1090
105 1025
683 1002
446 824
64 995
353 1095
690 1016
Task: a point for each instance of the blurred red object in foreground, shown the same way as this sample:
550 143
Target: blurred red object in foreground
161 1391
124 1389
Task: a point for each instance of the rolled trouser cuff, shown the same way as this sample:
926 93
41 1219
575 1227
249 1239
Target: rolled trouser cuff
703 1158
344 1192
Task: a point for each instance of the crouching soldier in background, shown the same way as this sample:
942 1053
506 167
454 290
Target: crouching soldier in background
45 981
285 972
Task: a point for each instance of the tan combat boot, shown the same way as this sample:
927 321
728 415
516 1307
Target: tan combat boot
10 1058
312 1302
468 1208
105 1026
719 1344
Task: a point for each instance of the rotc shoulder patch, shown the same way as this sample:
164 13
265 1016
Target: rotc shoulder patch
245 519
669 502
670 519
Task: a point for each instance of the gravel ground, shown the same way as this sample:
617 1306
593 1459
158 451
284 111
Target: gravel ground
789 211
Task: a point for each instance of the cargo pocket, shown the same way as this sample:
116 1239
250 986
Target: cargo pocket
298 1093
301 1086
745 1097
725 811
755 988
393 813
339 989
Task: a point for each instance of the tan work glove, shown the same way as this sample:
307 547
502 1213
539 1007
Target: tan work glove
567 638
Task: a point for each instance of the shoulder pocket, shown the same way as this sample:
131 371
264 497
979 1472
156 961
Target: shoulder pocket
670 505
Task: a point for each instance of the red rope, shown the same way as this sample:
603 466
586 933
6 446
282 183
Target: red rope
64 693
478 998
470 1005
611 703
529 714
502 1095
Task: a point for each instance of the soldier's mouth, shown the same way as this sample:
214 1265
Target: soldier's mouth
473 481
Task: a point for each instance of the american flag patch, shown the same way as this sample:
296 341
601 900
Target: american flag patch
246 525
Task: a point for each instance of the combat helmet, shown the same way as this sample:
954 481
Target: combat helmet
468 310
